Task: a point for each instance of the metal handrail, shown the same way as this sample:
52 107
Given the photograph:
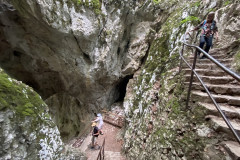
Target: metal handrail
101 152
225 69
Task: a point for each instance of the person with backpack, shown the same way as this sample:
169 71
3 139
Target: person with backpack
95 134
208 30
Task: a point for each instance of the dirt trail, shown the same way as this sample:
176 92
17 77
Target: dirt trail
112 144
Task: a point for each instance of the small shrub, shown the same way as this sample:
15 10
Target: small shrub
227 3
191 19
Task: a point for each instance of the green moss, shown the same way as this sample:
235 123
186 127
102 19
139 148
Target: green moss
237 61
108 32
93 4
18 97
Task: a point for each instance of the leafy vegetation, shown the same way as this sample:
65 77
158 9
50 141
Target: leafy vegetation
197 4
156 1
191 19
227 2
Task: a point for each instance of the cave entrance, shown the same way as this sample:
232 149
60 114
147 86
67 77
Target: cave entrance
121 88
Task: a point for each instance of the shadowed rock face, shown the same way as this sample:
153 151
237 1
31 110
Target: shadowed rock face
66 51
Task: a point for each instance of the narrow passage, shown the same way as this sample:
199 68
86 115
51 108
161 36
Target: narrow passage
113 141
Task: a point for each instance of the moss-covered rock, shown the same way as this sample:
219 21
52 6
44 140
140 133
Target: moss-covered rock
27 131
236 62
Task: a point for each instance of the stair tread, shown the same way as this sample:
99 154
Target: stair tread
225 89
218 85
220 98
202 71
212 77
208 60
214 56
219 121
223 106
216 95
210 64
233 147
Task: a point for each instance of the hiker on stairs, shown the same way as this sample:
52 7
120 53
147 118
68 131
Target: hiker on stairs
99 119
208 30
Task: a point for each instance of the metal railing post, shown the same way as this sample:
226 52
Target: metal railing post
191 79
180 67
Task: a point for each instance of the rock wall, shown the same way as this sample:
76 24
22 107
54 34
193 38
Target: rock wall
26 130
77 50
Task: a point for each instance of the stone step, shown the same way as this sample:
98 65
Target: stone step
216 56
203 97
207 61
218 89
209 66
220 125
109 155
230 111
206 72
212 79
233 149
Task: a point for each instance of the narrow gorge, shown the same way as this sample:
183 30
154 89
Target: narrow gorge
64 60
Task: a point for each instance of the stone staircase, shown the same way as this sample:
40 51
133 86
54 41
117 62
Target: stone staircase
225 90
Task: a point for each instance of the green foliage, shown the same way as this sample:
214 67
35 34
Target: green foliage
156 1
197 4
190 19
227 2
79 1
212 9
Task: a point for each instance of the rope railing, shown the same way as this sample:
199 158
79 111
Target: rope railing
101 152
193 72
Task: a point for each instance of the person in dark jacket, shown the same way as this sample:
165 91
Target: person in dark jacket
208 30
95 134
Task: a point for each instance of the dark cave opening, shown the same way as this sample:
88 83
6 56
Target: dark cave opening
122 86
17 54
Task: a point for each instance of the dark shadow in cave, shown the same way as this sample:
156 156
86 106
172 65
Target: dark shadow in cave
122 86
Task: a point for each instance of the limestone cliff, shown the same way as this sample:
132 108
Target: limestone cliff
79 51
80 54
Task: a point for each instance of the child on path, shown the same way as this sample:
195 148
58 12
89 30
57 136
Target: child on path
95 134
